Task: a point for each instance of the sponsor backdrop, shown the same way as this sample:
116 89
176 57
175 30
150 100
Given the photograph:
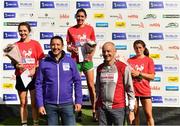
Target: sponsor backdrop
154 21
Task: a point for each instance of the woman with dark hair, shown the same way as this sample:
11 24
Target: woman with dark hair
31 52
81 44
142 72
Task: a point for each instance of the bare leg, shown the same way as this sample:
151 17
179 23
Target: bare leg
90 83
23 106
34 108
147 106
136 112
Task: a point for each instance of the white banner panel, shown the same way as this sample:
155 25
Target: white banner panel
122 21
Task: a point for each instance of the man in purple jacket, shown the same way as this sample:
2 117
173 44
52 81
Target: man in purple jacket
57 76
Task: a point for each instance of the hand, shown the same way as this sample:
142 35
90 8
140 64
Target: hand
42 110
131 117
32 72
135 73
20 66
77 107
74 49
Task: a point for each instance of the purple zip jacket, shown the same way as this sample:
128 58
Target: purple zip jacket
55 80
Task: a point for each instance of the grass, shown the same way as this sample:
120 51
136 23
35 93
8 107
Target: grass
87 120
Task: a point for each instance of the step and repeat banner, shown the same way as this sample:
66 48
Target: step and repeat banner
121 21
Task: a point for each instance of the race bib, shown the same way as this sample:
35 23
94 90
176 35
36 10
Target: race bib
29 61
66 66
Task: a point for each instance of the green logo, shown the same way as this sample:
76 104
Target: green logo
150 16
172 25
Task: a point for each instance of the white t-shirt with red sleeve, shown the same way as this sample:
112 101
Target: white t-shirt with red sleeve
144 65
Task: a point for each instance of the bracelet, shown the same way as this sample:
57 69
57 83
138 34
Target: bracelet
140 75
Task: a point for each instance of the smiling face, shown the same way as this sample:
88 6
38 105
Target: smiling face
56 47
80 18
24 32
139 49
108 52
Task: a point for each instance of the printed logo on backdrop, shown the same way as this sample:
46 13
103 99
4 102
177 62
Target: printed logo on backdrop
120 24
171 68
11 23
172 36
8 66
156 36
173 100
155 56
134 5
172 5
171 57
172 88
119 36
173 79
157 99
47 4
85 98
8 85
11 4
150 16
117 16
121 47
100 36
64 24
9 15
134 36
154 25
172 25
158 68
119 5
10 77
84 86
63 35
102 24
26 15
63 16
156 4
174 47
83 78
156 47
47 16
32 23
26 4
9 97
131 55
47 47
171 16
126 5
137 24
83 4
156 79
99 15
133 16
98 5
48 24
10 35
46 35
62 5
155 88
